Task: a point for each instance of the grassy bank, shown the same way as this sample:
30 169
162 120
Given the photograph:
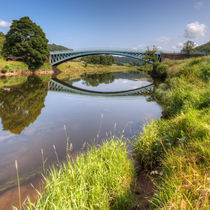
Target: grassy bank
18 80
9 68
99 179
74 69
178 148
80 66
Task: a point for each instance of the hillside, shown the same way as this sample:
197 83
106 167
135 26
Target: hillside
120 60
55 47
203 48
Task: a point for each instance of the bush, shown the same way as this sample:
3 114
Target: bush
162 70
46 66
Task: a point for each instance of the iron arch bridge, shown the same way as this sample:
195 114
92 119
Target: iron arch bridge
57 57
60 86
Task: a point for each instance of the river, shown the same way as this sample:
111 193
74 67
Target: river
33 121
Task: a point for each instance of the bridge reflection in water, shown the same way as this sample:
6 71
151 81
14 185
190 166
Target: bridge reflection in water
61 86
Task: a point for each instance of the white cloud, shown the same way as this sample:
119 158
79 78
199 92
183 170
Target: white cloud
198 5
195 30
158 47
4 23
146 47
142 47
163 40
178 46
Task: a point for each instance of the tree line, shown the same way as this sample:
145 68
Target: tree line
99 59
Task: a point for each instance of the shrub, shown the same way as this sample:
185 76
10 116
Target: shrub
162 70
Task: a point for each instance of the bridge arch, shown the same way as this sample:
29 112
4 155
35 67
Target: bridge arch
61 86
63 56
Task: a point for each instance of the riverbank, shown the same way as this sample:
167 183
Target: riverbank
177 149
75 69
17 68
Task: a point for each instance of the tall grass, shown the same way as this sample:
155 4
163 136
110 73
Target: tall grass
12 66
178 147
99 179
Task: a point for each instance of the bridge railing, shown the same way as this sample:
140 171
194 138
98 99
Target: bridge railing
98 50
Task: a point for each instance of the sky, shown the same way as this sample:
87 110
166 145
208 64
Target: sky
128 24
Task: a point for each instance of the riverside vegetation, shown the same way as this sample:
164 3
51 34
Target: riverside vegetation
74 69
178 147
174 148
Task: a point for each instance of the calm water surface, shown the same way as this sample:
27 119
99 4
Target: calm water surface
33 118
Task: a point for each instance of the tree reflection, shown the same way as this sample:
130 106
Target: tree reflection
19 107
96 79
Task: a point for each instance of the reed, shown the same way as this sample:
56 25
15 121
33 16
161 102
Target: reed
18 184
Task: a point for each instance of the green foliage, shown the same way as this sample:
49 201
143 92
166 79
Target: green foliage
151 56
185 180
2 40
203 48
99 179
46 66
99 59
19 107
14 67
177 148
55 47
127 60
96 79
160 136
188 47
162 70
11 81
27 40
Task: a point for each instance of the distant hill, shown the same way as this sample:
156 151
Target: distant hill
203 48
55 47
122 60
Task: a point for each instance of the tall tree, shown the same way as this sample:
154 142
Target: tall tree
188 47
26 39
151 56
2 39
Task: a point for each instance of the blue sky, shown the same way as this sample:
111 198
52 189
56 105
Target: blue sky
133 24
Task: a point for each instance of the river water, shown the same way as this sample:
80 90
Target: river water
32 121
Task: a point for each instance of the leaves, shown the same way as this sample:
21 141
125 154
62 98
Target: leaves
26 39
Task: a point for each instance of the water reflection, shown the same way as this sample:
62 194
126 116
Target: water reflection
109 81
97 79
20 106
33 118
